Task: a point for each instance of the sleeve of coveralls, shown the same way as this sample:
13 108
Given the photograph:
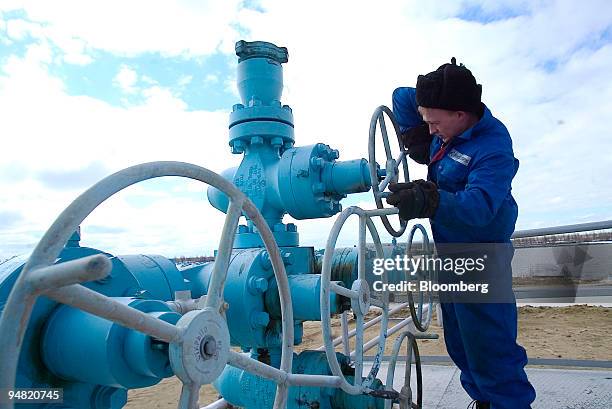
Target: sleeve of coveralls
405 108
487 186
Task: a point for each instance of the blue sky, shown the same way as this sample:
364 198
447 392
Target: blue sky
89 88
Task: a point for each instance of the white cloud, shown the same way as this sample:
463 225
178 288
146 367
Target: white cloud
185 80
18 29
211 79
73 49
338 73
129 28
126 79
340 69
48 130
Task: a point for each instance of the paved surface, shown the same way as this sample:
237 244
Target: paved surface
555 388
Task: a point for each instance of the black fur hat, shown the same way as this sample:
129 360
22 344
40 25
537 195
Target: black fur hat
451 87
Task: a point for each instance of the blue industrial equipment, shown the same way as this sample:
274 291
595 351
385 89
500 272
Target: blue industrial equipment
306 182
138 319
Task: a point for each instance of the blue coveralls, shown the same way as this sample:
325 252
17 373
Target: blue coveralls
476 206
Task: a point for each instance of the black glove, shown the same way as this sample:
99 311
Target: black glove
417 141
415 200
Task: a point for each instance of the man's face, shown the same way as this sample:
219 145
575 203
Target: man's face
446 124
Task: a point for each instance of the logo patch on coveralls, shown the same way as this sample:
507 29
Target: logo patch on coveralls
459 157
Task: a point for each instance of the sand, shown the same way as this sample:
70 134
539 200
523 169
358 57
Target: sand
576 332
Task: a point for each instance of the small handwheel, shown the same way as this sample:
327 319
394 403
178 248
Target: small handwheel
199 343
421 322
406 393
361 300
391 171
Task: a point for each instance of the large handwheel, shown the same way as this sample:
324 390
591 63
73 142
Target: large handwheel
391 172
361 300
205 329
420 321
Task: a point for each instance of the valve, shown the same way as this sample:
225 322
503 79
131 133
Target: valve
361 300
199 343
390 173
428 274
405 395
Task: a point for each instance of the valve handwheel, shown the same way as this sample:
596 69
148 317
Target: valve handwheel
391 171
199 344
361 300
420 321
405 395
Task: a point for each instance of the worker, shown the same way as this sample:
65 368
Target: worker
467 197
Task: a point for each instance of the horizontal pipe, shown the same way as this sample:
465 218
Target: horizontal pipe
571 228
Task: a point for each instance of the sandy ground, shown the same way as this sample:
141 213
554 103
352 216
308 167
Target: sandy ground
576 332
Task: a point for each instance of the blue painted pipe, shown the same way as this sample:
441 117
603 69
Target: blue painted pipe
73 342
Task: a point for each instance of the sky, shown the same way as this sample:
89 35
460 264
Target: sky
89 88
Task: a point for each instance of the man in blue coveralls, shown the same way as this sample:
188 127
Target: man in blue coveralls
467 197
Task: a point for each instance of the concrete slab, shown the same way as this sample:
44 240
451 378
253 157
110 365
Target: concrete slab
555 388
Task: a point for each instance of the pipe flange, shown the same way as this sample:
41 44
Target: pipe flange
203 352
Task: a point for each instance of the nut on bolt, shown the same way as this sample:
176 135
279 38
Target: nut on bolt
257 285
287 258
317 163
265 261
276 142
318 188
259 319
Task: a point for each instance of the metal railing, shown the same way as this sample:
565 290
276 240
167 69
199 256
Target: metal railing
570 228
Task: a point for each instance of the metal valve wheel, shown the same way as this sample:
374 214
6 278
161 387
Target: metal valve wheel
199 343
360 297
391 171
405 395
421 321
